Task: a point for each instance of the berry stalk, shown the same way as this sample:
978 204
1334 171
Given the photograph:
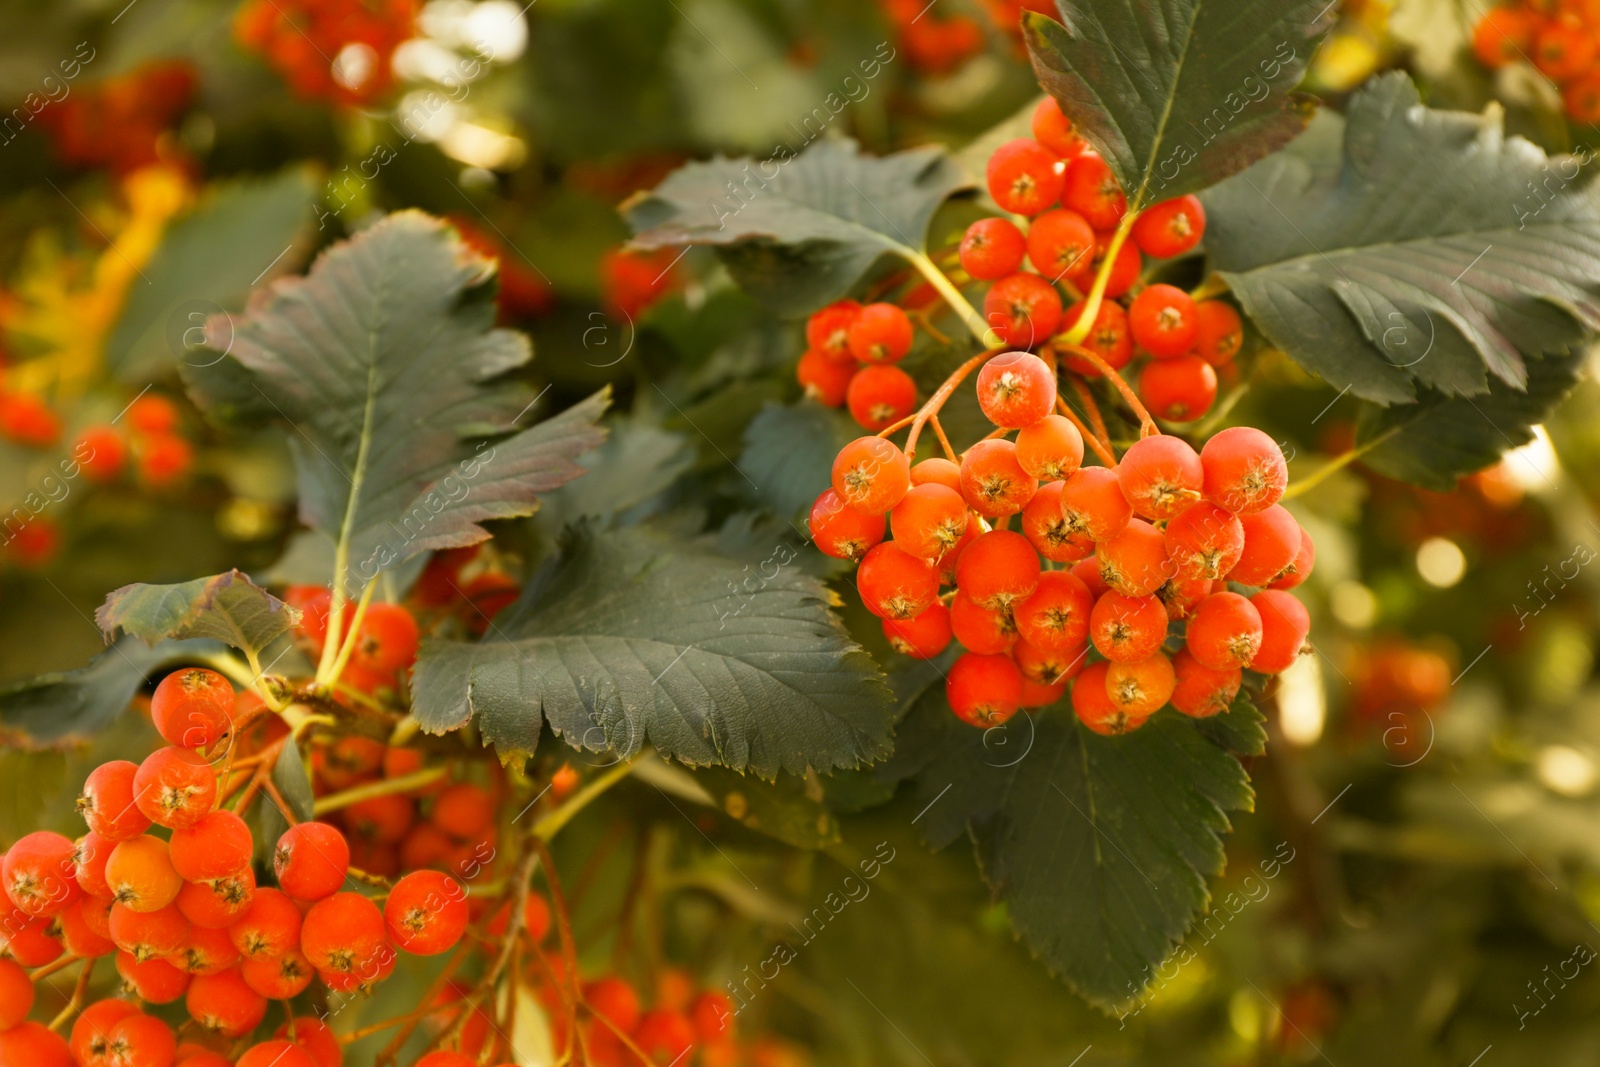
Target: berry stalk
935 402
1147 425
1102 277
952 296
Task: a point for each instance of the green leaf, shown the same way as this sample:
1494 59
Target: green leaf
224 607
1178 94
245 233
633 638
1435 441
799 230
68 707
789 450
1099 846
1435 253
385 361
293 783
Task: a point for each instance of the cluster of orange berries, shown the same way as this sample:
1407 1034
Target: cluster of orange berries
122 122
1129 550
682 1027
333 50
183 914
1559 37
934 43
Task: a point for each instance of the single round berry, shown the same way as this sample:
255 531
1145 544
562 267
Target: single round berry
1022 177
193 707
993 481
1180 594
1285 623
174 787
1200 692
1271 545
998 568
387 640
206 951
380 820
316 1038
879 397
343 933
1504 35
154 981
1055 616
984 690
1108 338
464 810
871 474
1300 569
1224 631
1051 669
828 330
1016 389
1161 476
224 1004
941 471
1050 449
1124 271
825 380
77 934
894 584
928 520
311 860
29 941
140 874
32 1044
106 802
1060 243
1126 628
986 631
218 903
16 994
1162 321
1052 128
38 874
149 934
426 913
1135 561
991 249
1563 50
1024 310
1243 470
1090 189
275 1053
280 978
1093 705
1140 688
1044 527
216 846
1218 332
1180 389
1170 228
1093 505
881 333
1205 541
843 532
268 928
922 637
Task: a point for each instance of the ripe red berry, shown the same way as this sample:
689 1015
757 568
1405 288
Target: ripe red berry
1199 691
1060 244
991 249
387 641
823 379
1135 561
1224 631
193 707
311 860
615 999
77 935
1181 389
163 460
1161 476
1044 527
28 941
1125 628
32 1044
1504 35
275 1053
1016 389
1055 131
312 602
28 420
1124 271
1218 332
217 903
1050 449
1244 470
1285 624
922 637
1108 338
1271 543
871 474
1140 688
1563 50
828 330
1055 616
16 994
1180 594
279 978
343 934
316 1038
712 1015
843 532
998 568
1092 504
984 690
1162 321
894 584
206 951
224 1004
38 874
426 913
217 845
879 397
465 810
90 1043
993 482
446 1058
1095 708
986 631
1022 177
1090 189
151 934
1300 569
106 802
1047 668
268 928
381 820
1024 310
941 471
1204 541
174 787
1170 228
881 333
140 874
928 520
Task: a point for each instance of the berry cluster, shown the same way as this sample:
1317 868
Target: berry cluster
123 122
1559 37
850 358
934 44
333 50
1129 548
682 1027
